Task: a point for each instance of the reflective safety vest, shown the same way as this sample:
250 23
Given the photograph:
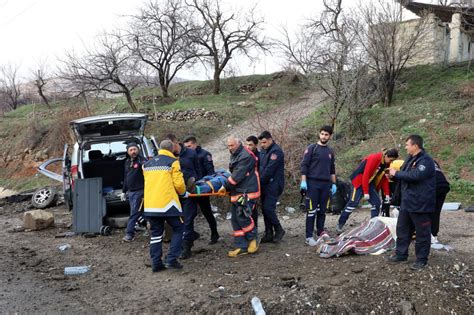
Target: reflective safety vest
164 183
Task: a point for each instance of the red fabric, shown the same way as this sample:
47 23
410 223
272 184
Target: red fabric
372 162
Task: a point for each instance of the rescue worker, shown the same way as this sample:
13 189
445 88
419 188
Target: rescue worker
418 187
252 144
189 164
442 189
367 179
272 182
205 168
164 184
244 188
133 186
318 180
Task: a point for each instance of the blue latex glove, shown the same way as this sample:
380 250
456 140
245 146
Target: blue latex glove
303 186
333 189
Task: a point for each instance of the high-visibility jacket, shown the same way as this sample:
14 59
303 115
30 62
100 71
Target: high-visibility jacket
164 183
371 169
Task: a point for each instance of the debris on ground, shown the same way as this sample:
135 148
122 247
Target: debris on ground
37 220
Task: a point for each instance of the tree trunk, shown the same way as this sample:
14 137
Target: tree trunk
163 86
217 82
86 103
389 90
45 100
130 102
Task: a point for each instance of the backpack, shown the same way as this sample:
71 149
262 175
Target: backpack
338 201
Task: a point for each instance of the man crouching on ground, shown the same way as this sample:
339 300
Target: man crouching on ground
244 188
164 184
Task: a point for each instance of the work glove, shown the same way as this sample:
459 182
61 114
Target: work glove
387 199
242 200
185 195
303 186
333 189
366 197
123 196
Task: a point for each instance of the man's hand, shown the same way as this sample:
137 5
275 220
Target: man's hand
303 186
387 199
123 196
366 197
185 195
392 172
333 189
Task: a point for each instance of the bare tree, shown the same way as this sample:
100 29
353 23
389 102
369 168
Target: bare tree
41 79
389 42
10 85
160 37
301 50
221 35
108 67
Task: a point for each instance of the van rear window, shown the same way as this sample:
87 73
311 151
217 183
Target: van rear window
107 150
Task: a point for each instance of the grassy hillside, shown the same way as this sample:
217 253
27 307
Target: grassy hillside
32 128
438 104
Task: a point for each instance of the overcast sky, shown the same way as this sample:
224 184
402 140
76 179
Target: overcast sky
35 30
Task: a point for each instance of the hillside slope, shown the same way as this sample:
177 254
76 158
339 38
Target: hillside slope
435 102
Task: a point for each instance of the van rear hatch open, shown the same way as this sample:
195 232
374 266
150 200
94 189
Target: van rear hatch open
103 126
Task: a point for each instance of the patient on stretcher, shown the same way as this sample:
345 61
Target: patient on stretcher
211 183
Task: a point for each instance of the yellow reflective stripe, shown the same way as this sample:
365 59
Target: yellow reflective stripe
353 194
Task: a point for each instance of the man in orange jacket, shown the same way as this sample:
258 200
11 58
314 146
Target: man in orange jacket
367 179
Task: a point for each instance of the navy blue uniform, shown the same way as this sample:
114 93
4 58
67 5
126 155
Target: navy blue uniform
418 184
189 165
272 182
318 165
244 180
133 182
442 189
206 168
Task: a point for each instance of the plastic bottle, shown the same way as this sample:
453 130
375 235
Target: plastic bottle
77 270
64 247
257 306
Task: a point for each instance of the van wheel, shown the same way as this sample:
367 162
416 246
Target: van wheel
44 197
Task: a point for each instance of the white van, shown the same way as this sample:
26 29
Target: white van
100 151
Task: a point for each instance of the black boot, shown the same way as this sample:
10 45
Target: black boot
279 232
214 237
268 236
186 252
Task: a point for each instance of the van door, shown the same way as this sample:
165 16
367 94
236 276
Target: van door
108 126
67 178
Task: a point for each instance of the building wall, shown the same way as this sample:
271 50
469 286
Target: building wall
441 42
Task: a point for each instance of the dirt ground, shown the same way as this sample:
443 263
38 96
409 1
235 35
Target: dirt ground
287 277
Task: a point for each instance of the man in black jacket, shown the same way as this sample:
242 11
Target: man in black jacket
189 165
418 184
244 190
133 183
205 168
272 182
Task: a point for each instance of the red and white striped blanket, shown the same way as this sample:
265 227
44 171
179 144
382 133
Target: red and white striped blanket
368 238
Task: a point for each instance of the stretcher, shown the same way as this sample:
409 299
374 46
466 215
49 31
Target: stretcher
216 193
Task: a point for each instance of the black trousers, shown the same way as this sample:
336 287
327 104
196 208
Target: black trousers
440 197
409 222
204 204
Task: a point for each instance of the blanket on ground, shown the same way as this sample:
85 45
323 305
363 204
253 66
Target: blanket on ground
373 236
